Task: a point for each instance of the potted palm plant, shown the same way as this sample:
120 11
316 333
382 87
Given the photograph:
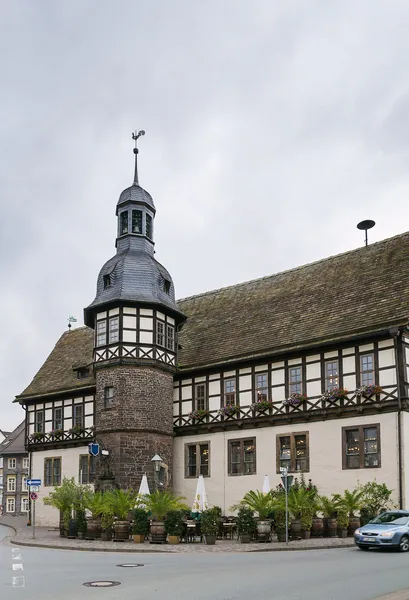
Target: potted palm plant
306 522
107 517
140 526
122 503
174 526
279 523
351 502
94 502
328 507
246 525
262 506
159 504
209 523
342 522
63 498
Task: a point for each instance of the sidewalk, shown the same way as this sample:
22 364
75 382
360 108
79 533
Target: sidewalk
50 538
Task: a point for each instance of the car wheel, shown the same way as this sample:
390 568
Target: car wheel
404 543
363 547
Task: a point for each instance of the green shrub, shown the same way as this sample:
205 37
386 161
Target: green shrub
174 524
140 524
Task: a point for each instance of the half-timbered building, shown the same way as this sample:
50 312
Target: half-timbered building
307 369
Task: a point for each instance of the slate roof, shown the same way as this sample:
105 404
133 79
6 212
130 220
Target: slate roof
56 375
360 291
135 193
16 446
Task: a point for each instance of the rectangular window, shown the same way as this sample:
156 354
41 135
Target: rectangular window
361 447
229 392
86 469
52 471
108 397
160 333
148 226
101 333
39 421
293 452
123 223
136 221
12 463
78 415
113 330
24 487
331 374
11 483
200 396
261 387
24 505
170 337
11 505
197 460
57 419
26 462
242 456
367 369
295 380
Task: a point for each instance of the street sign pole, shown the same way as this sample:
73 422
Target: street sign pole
285 474
33 502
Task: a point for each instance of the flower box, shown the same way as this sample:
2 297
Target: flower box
335 394
367 391
199 414
262 405
295 400
229 411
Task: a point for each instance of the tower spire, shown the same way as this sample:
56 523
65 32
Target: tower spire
135 137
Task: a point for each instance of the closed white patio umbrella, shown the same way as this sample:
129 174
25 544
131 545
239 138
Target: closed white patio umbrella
144 487
200 502
266 485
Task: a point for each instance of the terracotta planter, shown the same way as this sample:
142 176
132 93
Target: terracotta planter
173 539
354 523
264 531
305 535
157 532
138 538
93 529
210 540
317 529
295 528
122 530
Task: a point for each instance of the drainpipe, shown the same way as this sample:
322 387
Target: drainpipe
395 332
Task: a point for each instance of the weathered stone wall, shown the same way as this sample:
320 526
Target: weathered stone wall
137 426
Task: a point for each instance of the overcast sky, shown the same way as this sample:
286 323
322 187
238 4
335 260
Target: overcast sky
272 128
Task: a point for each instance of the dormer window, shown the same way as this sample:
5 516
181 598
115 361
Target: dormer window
82 373
136 221
107 281
124 223
166 286
148 226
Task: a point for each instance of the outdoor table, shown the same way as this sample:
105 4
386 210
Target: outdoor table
229 528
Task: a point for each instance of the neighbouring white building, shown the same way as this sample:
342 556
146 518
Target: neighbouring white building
307 369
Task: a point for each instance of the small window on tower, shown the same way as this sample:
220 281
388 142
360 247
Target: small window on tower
136 221
166 286
107 281
124 223
149 226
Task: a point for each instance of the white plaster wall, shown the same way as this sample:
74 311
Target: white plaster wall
405 457
325 460
47 515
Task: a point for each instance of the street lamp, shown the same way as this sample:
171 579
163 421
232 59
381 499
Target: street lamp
157 462
287 483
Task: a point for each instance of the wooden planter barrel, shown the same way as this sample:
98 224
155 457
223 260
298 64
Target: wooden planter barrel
332 527
354 523
317 529
157 532
305 535
122 530
93 529
296 528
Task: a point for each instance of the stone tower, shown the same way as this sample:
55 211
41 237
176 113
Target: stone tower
136 322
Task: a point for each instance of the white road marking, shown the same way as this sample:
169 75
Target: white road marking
18 567
19 582
15 551
17 557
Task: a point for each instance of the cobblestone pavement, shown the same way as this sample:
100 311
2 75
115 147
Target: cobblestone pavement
50 538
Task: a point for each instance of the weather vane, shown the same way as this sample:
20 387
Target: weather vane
135 136
71 319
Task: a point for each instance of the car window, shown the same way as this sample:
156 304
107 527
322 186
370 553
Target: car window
395 518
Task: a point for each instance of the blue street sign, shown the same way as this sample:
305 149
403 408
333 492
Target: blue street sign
33 481
93 449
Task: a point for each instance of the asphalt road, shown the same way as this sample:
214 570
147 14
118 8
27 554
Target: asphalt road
314 575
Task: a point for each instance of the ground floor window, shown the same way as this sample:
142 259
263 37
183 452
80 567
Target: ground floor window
197 459
11 505
293 452
24 505
361 447
242 456
87 469
52 471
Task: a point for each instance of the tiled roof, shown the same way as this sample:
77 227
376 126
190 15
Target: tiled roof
16 445
56 375
360 291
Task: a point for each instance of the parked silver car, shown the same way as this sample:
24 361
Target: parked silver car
389 530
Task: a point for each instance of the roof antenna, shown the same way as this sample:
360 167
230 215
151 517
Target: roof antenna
71 319
365 225
135 137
